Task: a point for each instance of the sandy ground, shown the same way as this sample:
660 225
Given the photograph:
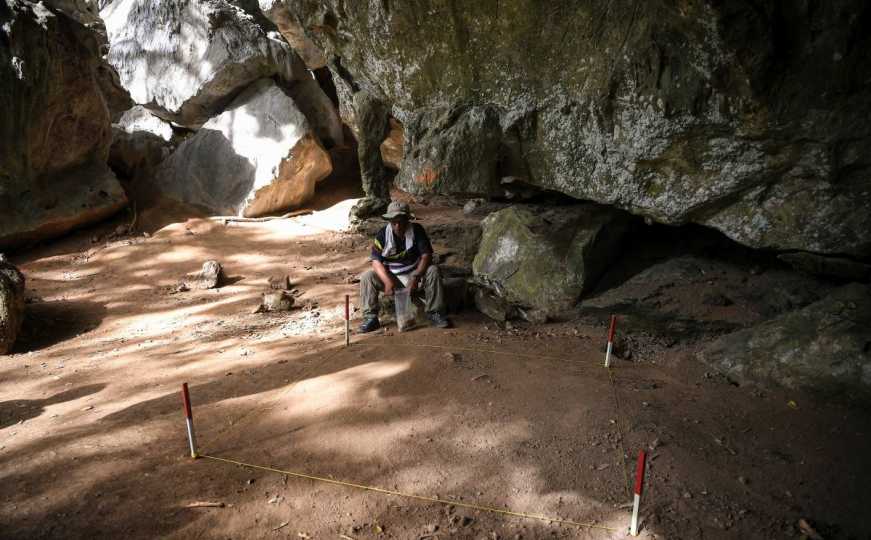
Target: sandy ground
93 445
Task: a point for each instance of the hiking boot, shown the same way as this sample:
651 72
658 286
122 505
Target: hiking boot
370 325
438 320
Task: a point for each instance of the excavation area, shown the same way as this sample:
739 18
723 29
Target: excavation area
516 429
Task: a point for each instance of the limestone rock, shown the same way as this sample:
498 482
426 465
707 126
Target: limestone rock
454 150
187 60
140 142
87 12
273 301
279 283
824 346
837 267
392 146
321 113
210 277
493 306
11 304
747 117
292 31
257 157
544 260
55 127
140 119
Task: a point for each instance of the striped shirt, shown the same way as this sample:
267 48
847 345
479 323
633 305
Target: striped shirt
402 260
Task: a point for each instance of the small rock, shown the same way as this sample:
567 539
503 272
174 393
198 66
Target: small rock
466 521
452 357
743 480
275 301
210 277
473 206
687 495
279 283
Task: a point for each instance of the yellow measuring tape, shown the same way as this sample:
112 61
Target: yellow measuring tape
470 506
620 430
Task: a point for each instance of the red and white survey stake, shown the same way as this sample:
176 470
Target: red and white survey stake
639 486
347 320
610 340
189 419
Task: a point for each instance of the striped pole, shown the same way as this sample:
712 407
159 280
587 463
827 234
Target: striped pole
639 486
347 320
610 340
189 419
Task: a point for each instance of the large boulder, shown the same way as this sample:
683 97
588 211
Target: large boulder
187 60
825 347
11 304
544 259
54 126
259 156
750 117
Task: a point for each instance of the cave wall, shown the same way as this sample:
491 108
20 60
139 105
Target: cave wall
749 117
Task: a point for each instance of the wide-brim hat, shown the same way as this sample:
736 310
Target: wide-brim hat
397 209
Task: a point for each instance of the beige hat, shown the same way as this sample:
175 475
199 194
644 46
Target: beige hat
396 209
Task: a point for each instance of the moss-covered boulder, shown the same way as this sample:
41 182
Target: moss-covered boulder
543 259
750 117
825 347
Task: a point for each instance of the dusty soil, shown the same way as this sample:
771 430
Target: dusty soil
93 445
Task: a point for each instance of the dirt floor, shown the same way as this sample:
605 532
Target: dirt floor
519 417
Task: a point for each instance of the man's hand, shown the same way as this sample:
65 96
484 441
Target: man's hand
388 288
413 283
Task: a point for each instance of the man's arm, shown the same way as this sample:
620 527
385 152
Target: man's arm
426 252
384 276
420 271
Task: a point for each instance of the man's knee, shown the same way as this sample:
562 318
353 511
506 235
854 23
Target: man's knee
369 277
432 272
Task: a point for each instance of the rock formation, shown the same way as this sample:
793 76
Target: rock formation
292 31
140 142
542 260
747 117
187 60
54 125
824 346
258 156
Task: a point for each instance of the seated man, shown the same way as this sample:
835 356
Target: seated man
401 257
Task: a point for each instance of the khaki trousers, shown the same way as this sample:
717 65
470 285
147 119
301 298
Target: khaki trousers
371 286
